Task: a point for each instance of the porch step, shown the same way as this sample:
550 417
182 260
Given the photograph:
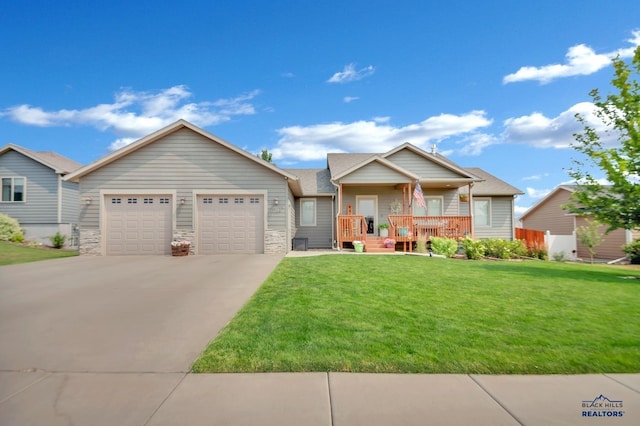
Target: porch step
376 245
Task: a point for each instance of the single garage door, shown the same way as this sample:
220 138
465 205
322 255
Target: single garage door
138 224
230 224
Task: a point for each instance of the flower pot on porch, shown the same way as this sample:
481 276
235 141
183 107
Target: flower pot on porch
388 245
403 231
180 251
359 247
384 232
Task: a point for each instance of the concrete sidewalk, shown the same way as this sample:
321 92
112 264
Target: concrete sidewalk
326 399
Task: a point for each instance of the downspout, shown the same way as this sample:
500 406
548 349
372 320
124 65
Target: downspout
471 225
59 199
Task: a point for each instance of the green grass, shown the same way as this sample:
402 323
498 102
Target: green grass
410 314
13 253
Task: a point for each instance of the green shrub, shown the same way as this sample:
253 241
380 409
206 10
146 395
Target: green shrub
473 249
58 240
18 237
633 251
538 252
421 244
505 249
559 256
444 246
9 228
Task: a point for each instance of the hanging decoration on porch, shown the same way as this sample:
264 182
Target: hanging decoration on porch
419 196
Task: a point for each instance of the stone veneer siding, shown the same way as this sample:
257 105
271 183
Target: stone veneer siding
90 242
275 241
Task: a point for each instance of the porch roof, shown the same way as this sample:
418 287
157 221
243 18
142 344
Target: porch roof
314 182
374 159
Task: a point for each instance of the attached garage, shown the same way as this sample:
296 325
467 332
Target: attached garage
230 223
138 224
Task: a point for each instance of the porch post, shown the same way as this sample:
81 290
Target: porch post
338 227
471 209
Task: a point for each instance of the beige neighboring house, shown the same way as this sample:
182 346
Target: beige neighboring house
548 215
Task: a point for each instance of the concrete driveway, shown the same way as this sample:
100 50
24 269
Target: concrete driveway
104 340
121 314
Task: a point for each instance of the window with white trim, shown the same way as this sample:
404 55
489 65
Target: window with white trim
13 189
307 212
434 207
482 211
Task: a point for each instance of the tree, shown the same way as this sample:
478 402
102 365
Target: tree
590 236
618 204
266 155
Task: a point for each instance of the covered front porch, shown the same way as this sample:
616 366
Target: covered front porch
363 209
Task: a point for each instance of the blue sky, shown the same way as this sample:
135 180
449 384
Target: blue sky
493 84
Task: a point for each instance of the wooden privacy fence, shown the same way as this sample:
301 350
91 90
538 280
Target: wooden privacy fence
531 237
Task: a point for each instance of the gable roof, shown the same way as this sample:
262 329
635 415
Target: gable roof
167 130
491 185
543 200
372 159
433 157
59 164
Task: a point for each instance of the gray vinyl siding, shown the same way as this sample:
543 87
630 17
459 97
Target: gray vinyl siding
501 220
418 165
185 161
375 173
320 235
70 202
549 215
41 205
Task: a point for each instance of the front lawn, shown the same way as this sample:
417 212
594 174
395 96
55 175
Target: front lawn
14 253
413 314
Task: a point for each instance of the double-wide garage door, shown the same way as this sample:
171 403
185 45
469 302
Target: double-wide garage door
138 224
230 224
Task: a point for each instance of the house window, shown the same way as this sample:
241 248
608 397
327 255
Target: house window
434 207
308 212
13 189
482 212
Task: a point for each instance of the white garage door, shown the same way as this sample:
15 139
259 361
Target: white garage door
138 224
230 224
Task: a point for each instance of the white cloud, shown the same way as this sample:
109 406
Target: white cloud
305 143
537 193
351 74
349 99
536 177
543 132
581 60
475 143
519 210
134 114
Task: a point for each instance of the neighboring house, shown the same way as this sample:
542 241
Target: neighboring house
549 215
34 192
182 182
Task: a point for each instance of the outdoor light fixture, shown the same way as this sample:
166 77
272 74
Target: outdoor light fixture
275 201
182 200
87 200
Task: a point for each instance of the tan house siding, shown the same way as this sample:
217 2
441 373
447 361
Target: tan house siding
501 220
611 246
417 164
375 172
549 216
181 163
320 235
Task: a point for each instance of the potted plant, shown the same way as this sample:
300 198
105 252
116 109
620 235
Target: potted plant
384 229
180 248
358 246
464 197
389 242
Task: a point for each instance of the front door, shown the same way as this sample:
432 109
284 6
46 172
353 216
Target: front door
367 206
